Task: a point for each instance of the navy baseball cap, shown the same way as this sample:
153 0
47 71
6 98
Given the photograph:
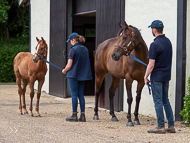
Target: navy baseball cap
156 24
73 35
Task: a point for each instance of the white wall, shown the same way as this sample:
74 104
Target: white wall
40 27
140 14
188 42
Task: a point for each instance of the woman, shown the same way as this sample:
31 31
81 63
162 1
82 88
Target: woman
77 70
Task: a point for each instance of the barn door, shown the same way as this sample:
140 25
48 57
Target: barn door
58 17
108 14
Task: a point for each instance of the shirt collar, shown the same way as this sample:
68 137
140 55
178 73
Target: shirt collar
160 36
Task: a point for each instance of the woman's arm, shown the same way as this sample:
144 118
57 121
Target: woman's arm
68 66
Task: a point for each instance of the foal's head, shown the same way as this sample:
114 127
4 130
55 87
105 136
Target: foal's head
125 43
41 49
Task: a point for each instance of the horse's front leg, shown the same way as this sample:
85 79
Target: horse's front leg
40 83
31 97
128 83
140 86
98 85
114 86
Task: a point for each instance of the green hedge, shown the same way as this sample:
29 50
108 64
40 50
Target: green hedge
185 113
8 50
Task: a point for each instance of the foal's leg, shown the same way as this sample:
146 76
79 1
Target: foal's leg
114 86
40 83
25 82
128 83
98 85
18 81
31 96
140 86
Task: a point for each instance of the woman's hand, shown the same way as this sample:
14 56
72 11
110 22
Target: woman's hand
64 71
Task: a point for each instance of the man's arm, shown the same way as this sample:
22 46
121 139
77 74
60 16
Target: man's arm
149 69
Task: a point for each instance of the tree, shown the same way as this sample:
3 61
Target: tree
4 7
16 20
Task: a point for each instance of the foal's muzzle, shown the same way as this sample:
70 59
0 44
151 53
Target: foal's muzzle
36 59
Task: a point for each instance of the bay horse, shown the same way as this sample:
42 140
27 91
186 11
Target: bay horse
29 68
111 56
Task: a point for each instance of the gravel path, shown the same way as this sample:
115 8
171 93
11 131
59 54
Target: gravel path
52 127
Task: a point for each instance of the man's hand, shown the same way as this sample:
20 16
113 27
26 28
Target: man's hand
146 80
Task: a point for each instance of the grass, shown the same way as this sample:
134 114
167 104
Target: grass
7 83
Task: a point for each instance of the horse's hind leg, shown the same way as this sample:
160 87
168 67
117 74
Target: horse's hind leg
128 83
98 85
40 83
140 86
18 81
114 86
25 82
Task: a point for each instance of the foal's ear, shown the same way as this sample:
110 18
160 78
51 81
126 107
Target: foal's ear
37 39
120 25
126 26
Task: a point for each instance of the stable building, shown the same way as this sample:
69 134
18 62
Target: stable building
97 20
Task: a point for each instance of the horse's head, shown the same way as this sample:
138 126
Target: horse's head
41 49
125 43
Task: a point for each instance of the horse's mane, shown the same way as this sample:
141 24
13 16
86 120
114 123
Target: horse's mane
137 31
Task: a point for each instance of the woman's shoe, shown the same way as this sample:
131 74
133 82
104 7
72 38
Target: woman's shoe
73 118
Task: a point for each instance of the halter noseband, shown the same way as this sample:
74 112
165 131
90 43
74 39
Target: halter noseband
132 40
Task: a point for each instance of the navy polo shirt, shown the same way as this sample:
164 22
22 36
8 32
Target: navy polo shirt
161 51
81 68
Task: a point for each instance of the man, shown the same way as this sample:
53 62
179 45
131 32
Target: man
160 61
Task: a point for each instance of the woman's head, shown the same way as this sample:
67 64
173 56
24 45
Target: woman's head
75 38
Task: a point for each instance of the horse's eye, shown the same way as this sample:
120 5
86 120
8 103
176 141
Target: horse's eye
41 49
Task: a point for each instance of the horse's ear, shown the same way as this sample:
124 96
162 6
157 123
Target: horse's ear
37 39
126 26
120 25
42 38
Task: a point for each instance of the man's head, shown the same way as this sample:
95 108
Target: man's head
157 27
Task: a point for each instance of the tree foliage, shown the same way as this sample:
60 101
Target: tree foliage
4 7
17 22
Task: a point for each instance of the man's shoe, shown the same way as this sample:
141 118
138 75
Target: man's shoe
170 129
73 118
82 118
158 130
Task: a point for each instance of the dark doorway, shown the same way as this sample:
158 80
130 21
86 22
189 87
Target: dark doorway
85 25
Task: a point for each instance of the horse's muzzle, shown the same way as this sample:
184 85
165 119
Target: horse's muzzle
115 57
36 59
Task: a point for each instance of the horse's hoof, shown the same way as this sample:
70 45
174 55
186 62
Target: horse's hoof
95 117
137 123
37 115
130 124
26 112
114 119
31 115
20 113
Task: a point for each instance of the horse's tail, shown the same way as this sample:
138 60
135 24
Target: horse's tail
102 97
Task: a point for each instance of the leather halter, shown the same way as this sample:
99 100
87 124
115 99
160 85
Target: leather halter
41 56
132 40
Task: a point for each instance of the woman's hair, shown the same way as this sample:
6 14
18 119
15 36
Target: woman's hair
81 39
